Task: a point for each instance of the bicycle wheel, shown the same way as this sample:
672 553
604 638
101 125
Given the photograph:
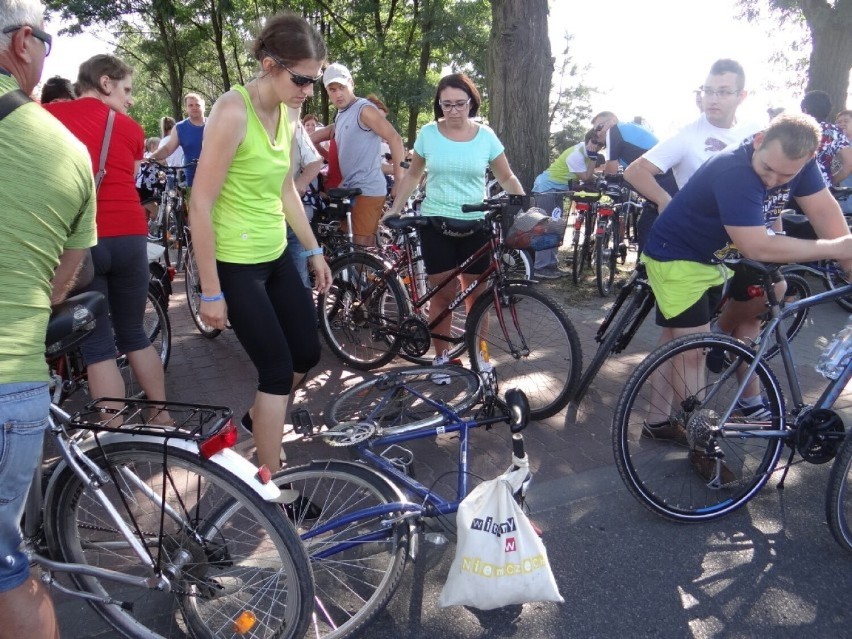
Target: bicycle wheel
235 556
672 473
630 303
391 400
358 564
360 316
530 342
606 253
158 327
193 295
517 264
797 289
838 497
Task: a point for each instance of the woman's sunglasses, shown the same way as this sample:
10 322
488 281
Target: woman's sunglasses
298 79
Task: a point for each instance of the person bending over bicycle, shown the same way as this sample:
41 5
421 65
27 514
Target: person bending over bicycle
454 151
575 163
727 201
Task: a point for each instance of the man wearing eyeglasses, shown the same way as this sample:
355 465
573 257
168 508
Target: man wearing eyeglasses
682 153
187 135
359 129
47 222
575 163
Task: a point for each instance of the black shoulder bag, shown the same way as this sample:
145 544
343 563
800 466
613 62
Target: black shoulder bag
12 101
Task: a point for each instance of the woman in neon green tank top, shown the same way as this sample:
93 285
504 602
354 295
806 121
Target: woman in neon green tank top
242 194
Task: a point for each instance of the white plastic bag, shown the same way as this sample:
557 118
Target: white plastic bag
500 559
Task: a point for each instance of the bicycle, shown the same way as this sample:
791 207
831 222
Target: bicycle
636 300
361 520
67 370
828 272
719 453
169 226
366 318
402 246
163 530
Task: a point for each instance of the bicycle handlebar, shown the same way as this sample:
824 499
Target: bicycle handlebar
194 163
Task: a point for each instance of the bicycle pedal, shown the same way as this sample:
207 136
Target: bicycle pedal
302 422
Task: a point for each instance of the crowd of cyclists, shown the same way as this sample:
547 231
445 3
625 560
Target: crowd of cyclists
257 171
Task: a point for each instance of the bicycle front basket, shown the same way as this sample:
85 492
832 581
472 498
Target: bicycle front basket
533 229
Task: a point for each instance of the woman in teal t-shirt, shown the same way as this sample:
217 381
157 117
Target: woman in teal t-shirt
242 193
455 151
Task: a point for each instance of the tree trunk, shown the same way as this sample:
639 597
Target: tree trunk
217 23
830 61
520 69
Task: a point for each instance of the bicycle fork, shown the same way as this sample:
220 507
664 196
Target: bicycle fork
501 298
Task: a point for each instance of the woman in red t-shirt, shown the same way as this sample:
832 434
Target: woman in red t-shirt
120 258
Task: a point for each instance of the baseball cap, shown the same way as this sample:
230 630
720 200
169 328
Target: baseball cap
336 73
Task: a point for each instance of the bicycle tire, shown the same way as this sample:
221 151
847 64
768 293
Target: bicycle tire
158 326
797 289
517 264
370 400
838 496
624 313
250 560
581 253
549 371
193 295
360 316
659 472
606 253
354 585
180 234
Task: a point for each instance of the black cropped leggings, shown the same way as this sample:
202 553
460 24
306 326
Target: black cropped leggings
273 316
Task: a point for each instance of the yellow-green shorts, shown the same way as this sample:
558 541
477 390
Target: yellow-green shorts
680 284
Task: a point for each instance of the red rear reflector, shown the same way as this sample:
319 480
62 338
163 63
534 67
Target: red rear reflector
755 290
264 474
225 438
171 271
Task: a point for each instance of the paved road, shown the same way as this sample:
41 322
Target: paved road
771 569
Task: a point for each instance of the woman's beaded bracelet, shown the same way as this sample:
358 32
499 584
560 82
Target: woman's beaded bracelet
212 298
316 251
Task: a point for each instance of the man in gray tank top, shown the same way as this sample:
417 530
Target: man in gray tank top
359 129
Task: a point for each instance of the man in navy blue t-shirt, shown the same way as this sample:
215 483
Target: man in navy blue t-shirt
735 198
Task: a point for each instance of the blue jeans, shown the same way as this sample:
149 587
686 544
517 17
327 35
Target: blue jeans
24 409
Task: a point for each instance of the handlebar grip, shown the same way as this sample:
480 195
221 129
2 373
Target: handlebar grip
472 208
518 446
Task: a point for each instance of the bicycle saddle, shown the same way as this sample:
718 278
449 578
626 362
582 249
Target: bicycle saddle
341 194
71 321
519 409
404 222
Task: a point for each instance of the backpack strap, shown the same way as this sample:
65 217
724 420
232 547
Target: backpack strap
12 101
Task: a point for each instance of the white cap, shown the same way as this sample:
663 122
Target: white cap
336 73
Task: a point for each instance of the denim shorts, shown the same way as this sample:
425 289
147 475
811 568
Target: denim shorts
24 409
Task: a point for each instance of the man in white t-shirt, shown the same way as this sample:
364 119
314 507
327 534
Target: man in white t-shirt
723 91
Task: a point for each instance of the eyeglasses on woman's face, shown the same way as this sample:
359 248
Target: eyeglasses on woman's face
450 105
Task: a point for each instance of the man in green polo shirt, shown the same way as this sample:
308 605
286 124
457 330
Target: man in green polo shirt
47 221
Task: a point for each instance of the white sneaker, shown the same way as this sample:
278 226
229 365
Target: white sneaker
442 379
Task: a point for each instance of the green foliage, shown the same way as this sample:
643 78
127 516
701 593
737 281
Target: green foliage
571 109
396 50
